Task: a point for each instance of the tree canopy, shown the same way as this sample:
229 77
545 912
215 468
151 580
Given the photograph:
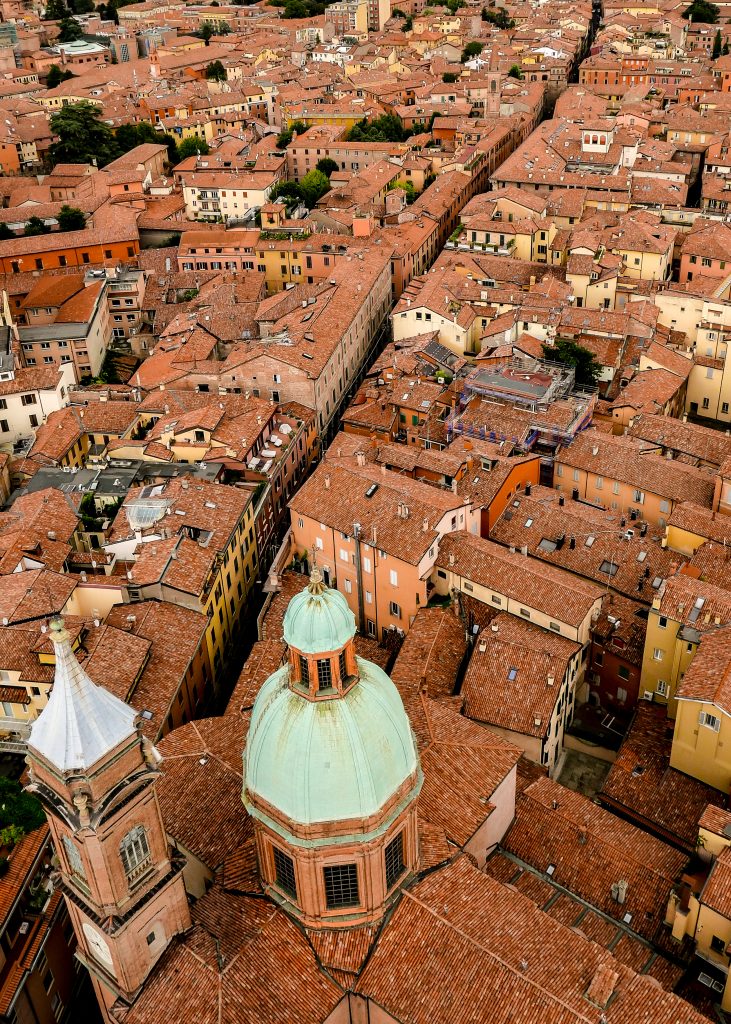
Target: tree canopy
312 186
497 17
55 10
717 45
386 128
191 146
571 354
83 137
36 226
285 136
703 11
69 30
473 49
19 808
71 218
216 71
515 72
408 188
56 76
327 166
205 32
299 8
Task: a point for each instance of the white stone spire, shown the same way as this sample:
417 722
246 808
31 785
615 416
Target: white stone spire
81 722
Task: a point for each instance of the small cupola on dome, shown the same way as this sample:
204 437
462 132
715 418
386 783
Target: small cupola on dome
319 629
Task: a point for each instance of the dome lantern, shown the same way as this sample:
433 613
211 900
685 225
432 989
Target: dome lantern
319 629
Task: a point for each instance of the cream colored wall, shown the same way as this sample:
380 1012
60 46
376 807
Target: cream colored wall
677 654
497 823
487 595
93 599
451 335
697 749
709 924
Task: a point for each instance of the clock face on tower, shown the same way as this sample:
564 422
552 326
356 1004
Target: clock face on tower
98 947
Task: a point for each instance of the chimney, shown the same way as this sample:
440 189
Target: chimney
454 486
551 680
425 525
451 558
327 481
360 458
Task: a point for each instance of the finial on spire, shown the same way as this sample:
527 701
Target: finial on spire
57 629
316 584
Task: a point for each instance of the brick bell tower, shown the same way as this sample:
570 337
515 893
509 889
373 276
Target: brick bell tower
95 774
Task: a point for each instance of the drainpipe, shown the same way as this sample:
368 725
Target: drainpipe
359 578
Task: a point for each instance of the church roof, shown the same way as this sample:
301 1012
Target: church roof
332 760
81 722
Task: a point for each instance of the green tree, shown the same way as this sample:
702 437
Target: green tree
717 45
386 128
287 190
408 24
55 10
285 136
571 354
408 188
56 76
515 72
327 166
498 17
108 11
191 146
5 232
216 71
295 9
314 185
205 32
703 11
36 226
130 135
71 218
725 51
449 77
397 13
82 135
19 808
69 30
81 6
473 49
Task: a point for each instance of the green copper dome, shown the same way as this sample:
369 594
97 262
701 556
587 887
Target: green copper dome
318 619
328 760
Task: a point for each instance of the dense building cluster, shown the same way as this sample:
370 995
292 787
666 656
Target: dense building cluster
365 526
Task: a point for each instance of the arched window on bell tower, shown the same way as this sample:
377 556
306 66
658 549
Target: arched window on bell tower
135 853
